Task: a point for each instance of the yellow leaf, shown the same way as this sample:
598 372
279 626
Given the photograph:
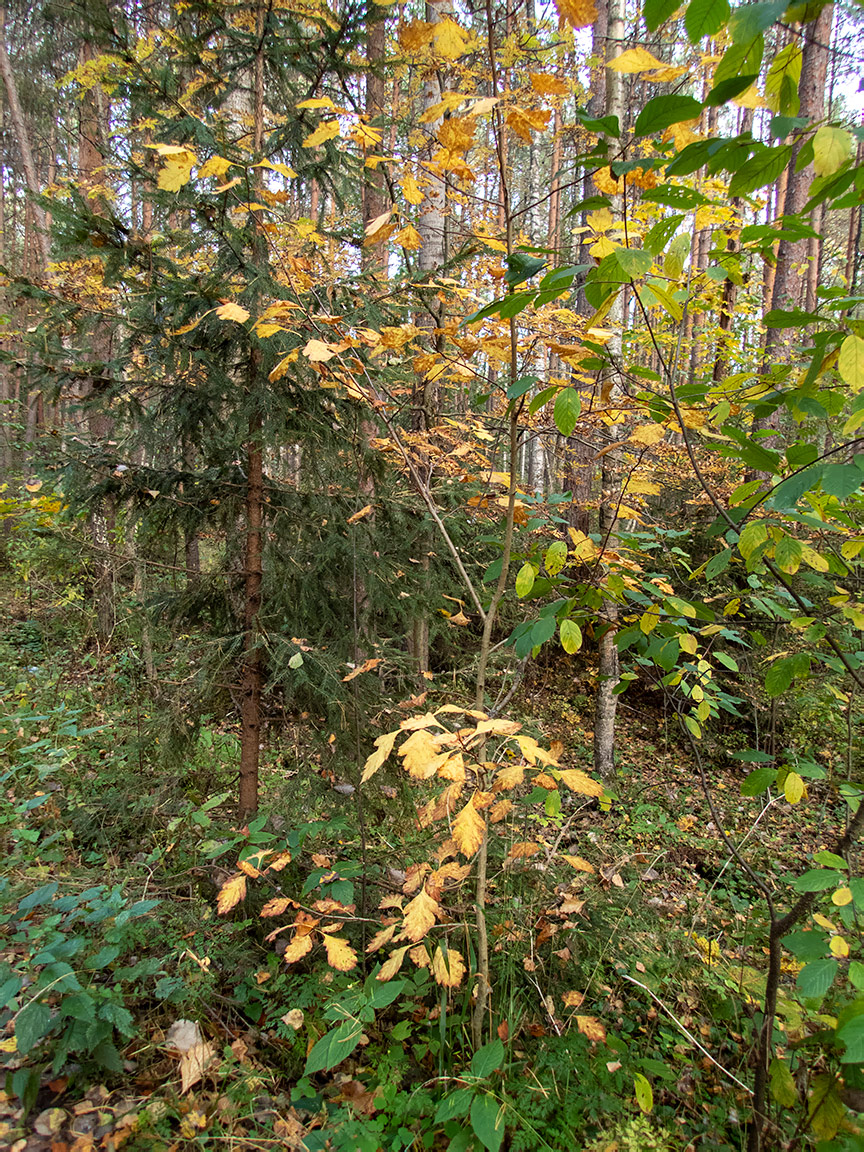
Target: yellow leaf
533 753
509 777
481 107
264 330
378 223
277 906
326 130
10 1044
546 85
591 1027
838 946
666 75
232 311
469 828
647 434
215 166
381 938
365 135
578 863
194 1063
415 35
392 964
448 970
301 943
383 748
450 40
498 811
409 238
850 363
316 102
282 169
422 755
600 221
842 897
750 98
832 147
523 849
34 487
635 60
580 782
577 13
231 893
525 121
340 954
318 352
793 787
688 643
177 172
411 190
419 916
573 999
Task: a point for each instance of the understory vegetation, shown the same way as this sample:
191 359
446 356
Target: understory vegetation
431 536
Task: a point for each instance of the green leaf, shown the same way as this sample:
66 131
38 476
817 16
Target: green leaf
38 896
334 1047
856 974
487 1120
780 675
781 83
521 267
521 386
541 399
727 661
749 20
453 1105
782 1087
555 558
657 12
543 630
758 781
31 1024
662 111
787 555
841 480
525 579
487 1059
568 407
764 167
571 636
675 196
850 363
740 60
659 234
644 1092
296 660
832 147
830 860
705 17
818 880
815 979
825 1108
718 563
634 261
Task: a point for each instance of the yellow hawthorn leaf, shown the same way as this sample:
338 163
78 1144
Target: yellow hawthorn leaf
666 75
422 755
419 916
578 863
318 352
573 999
523 849
498 811
577 13
340 954
509 777
647 434
415 35
579 782
469 828
316 102
420 956
411 190
448 970
300 944
381 938
232 311
326 130
546 85
842 897
383 748
231 893
793 787
277 906
635 60
591 1027
544 780
453 769
409 238
215 166
838 946
525 121
451 41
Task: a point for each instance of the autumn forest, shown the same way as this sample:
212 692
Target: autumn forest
431 575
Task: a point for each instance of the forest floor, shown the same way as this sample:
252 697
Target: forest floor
114 859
